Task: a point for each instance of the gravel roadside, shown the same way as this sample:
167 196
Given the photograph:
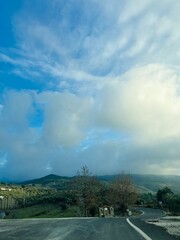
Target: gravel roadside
171 224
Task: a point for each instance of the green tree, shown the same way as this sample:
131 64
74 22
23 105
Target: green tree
163 195
173 203
167 199
124 192
87 191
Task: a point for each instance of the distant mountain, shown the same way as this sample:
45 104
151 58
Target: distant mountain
145 183
51 180
155 182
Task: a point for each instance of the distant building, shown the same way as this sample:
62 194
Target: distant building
106 211
5 189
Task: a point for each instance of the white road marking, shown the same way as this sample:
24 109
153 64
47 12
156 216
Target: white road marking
144 235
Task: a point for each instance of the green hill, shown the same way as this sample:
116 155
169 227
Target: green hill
51 180
155 182
145 183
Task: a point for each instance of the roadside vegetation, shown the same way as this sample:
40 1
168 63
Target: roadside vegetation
82 195
169 201
44 210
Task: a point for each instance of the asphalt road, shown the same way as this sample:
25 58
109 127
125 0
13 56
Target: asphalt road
80 229
153 231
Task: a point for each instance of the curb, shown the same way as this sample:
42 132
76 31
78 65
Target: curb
144 235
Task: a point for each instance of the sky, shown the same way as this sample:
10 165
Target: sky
93 83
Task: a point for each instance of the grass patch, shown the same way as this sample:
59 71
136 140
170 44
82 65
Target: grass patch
42 211
136 212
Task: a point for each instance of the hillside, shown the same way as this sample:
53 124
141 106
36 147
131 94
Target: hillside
151 183
52 195
145 183
51 180
155 182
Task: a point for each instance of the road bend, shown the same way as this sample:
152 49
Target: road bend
68 229
82 228
152 231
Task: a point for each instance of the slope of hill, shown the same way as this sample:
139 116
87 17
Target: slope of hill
51 180
145 183
151 183
155 182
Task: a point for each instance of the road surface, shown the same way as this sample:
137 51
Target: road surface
154 232
81 229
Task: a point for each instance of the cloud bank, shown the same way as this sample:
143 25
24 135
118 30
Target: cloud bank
109 89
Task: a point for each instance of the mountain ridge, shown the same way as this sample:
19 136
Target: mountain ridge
145 182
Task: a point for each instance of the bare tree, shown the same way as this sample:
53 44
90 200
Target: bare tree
124 192
87 190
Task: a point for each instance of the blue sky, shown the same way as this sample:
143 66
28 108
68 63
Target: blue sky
91 83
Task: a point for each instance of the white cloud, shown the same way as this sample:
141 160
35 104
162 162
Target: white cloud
146 110
17 106
144 102
133 9
67 118
116 67
88 47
